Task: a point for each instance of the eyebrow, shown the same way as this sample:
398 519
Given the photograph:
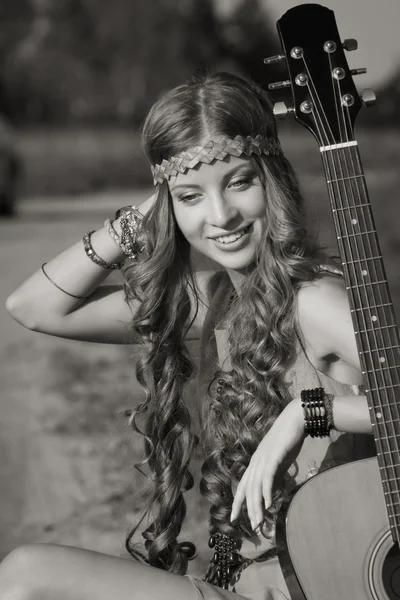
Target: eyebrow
227 175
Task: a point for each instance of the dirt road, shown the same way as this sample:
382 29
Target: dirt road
42 485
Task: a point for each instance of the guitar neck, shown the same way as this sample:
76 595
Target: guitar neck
373 315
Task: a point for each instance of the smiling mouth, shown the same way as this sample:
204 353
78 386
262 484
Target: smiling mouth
232 237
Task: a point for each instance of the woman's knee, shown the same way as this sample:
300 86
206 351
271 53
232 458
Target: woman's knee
23 573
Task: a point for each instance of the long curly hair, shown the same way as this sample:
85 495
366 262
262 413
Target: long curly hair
161 289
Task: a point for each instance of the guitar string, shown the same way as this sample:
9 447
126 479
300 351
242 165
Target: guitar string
393 329
376 364
374 369
326 160
389 346
344 138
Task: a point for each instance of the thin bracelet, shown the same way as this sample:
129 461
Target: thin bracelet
112 233
60 288
90 253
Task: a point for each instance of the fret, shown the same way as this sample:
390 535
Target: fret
382 377
371 307
385 452
362 260
393 464
345 178
356 234
380 423
350 207
387 368
379 336
388 429
380 349
365 284
375 329
392 385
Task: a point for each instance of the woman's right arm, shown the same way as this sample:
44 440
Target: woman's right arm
103 316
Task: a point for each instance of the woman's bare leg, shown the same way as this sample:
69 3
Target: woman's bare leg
50 572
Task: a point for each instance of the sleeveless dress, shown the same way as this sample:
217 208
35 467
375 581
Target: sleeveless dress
264 580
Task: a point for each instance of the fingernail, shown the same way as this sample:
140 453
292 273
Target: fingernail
252 524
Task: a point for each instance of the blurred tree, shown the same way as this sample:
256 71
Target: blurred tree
249 36
90 60
387 109
16 18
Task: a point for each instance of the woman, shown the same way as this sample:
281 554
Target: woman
278 323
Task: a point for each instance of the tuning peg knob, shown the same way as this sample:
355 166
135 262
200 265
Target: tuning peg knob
281 110
271 60
368 97
358 71
350 44
278 85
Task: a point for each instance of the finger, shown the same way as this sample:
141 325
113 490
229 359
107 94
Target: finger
257 508
267 492
254 501
239 497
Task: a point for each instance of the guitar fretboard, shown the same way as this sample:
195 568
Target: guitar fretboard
372 312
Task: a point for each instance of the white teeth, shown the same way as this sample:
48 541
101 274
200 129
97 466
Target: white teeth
228 239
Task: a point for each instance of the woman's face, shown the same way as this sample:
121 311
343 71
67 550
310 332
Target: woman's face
220 209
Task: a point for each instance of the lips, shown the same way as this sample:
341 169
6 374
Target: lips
233 242
230 237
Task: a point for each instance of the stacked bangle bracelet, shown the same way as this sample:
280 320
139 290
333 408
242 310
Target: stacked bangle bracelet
90 253
318 412
130 239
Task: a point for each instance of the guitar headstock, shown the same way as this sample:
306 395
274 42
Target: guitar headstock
325 98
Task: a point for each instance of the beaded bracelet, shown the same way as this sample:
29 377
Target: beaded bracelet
90 253
318 412
225 560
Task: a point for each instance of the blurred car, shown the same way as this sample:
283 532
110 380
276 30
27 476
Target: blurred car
10 169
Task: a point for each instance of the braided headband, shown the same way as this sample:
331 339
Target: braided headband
214 149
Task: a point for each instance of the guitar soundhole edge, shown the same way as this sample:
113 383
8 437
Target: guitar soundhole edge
391 573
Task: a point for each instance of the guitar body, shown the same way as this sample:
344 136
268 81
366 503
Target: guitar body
334 540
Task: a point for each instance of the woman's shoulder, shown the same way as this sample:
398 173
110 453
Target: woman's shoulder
322 311
327 284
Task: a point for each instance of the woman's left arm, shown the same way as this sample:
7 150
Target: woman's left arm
324 315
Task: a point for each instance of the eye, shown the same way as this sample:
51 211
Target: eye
188 198
242 181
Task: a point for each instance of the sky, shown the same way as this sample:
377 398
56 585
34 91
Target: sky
374 23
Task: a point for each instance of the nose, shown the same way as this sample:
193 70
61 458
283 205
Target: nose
220 211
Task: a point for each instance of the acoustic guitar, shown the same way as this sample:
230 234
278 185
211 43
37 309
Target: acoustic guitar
338 538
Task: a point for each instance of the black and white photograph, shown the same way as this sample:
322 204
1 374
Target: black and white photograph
199 327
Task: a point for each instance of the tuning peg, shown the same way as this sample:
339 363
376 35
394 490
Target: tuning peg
358 71
281 110
271 60
278 85
350 44
368 97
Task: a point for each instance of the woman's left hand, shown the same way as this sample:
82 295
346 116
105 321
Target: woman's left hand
276 452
